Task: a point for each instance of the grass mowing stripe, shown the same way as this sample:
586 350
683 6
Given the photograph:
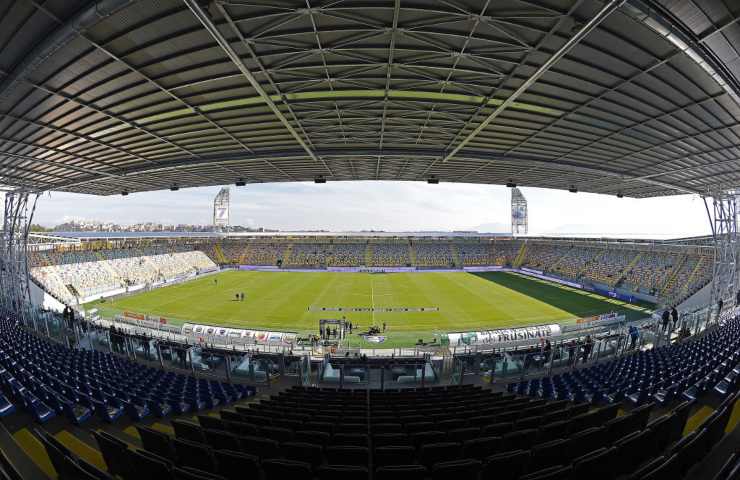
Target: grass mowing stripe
35 450
282 301
89 454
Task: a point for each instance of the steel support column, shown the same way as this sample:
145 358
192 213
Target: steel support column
15 295
723 220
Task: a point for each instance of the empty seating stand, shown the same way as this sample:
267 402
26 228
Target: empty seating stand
50 380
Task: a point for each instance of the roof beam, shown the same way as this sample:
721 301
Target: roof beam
86 18
213 30
418 153
600 16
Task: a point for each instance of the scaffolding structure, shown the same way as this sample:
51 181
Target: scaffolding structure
221 211
723 220
519 217
15 294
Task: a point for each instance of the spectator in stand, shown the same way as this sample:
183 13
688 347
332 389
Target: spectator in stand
571 351
674 318
587 347
634 335
737 299
666 318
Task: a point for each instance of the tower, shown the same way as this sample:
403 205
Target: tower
221 211
519 218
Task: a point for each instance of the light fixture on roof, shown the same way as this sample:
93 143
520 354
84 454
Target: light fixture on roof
240 182
433 180
174 188
573 189
319 179
511 184
124 193
620 195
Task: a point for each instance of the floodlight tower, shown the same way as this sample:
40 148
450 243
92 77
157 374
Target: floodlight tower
221 211
519 217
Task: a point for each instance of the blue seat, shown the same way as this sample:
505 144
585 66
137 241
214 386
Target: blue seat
135 411
107 412
6 408
41 412
76 413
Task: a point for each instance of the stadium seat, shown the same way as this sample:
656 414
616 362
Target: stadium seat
545 455
149 465
401 472
115 453
303 452
586 441
394 455
481 448
278 434
520 439
156 442
188 473
633 450
422 438
188 431
222 440
598 463
669 469
278 469
506 465
347 455
497 429
342 472
309 436
691 449
432 453
263 448
349 439
235 465
463 434
195 455
81 470
459 469
554 473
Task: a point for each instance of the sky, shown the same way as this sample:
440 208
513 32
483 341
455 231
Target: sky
392 206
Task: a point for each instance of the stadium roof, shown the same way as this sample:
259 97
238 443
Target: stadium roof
637 98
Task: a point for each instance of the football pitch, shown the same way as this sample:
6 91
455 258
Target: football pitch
293 301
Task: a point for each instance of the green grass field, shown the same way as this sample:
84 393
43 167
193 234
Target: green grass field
283 301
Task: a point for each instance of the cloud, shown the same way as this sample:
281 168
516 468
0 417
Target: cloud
392 206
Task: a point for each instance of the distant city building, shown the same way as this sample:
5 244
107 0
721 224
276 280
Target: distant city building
96 226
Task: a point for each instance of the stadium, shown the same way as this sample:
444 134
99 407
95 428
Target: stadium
365 354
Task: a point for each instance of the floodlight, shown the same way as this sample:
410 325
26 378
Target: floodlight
573 189
240 182
620 195
511 184
319 179
174 188
124 193
433 180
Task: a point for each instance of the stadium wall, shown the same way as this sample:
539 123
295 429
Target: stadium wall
41 299
699 299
